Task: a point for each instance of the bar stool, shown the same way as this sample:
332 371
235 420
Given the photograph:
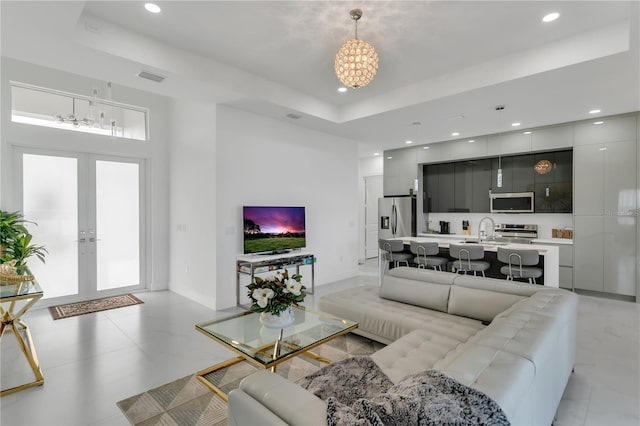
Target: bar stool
520 264
424 255
468 258
393 252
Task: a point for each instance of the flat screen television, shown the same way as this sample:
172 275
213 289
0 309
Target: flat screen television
273 229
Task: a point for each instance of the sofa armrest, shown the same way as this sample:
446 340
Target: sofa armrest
271 399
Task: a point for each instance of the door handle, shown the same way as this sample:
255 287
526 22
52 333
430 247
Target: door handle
93 240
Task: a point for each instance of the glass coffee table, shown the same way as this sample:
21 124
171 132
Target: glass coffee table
266 347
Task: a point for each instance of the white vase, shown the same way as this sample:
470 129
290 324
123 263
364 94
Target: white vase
285 319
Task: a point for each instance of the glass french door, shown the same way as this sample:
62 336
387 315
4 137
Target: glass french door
89 211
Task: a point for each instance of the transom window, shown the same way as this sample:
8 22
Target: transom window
40 106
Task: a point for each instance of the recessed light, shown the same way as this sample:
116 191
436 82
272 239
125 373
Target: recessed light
375 154
455 134
152 7
527 132
604 148
408 142
426 147
515 124
551 17
594 111
598 122
389 158
472 141
342 89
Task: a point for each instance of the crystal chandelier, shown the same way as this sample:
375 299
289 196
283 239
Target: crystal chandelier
357 61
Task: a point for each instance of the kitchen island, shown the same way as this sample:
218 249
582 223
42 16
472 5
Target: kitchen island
550 258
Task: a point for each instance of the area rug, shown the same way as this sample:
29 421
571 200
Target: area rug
187 402
90 306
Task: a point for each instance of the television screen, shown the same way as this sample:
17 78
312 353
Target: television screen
273 229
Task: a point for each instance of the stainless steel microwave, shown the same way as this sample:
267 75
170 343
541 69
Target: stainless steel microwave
512 202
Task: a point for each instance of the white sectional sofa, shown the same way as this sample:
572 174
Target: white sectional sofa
514 342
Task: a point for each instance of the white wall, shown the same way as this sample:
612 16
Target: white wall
193 201
261 161
154 151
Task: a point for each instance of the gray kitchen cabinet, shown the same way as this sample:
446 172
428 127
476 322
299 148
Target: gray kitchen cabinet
619 178
509 143
446 187
481 185
588 179
522 173
463 187
554 186
400 171
606 183
619 255
566 264
552 138
463 149
611 130
588 245
433 153
430 183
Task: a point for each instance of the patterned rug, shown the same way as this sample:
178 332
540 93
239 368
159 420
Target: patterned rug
90 306
187 402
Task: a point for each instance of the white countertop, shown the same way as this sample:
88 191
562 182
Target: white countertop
552 241
463 237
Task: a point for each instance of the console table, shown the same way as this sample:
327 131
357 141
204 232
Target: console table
257 264
15 300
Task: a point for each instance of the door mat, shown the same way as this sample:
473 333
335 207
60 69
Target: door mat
90 306
187 401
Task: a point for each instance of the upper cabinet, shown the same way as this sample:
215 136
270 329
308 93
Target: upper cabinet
509 143
605 130
553 182
463 186
552 138
400 171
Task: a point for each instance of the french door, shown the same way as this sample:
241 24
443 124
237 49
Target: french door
89 211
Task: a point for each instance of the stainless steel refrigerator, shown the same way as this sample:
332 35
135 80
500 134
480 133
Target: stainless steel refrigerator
397 216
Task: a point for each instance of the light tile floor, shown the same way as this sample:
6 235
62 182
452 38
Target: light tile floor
93 361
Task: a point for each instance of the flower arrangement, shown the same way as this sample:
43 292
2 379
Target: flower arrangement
275 294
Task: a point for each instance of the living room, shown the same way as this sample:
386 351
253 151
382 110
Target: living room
210 149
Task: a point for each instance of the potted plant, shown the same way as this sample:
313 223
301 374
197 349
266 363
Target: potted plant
15 244
272 297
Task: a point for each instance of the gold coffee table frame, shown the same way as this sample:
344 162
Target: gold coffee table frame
270 354
11 294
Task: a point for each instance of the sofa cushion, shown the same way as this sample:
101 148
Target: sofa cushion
420 350
497 285
427 275
387 320
479 304
414 292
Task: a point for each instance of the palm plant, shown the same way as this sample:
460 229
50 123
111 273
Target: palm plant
15 242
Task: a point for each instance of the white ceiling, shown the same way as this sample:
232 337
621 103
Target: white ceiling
446 64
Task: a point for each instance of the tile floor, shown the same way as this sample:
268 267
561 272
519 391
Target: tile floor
93 361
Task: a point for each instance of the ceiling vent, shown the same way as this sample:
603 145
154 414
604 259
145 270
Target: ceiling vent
151 76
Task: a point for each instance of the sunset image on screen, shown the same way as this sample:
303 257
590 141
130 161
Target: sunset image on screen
273 228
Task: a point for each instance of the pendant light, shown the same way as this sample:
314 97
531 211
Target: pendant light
356 62
499 108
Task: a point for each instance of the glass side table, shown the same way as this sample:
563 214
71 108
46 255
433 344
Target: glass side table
266 348
16 298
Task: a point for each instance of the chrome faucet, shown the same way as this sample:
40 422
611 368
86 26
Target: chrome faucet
493 227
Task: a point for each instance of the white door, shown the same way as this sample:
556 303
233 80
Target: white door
89 212
373 191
